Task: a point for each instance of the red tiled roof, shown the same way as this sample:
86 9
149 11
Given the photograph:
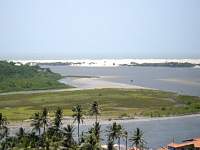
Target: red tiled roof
197 144
175 145
191 142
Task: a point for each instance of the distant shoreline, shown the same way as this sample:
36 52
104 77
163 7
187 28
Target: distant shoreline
131 64
114 62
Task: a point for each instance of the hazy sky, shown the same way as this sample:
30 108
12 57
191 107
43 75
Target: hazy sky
63 29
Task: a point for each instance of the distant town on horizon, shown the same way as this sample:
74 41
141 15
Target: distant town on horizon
114 62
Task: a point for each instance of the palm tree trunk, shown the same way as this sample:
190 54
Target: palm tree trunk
39 131
44 129
119 142
96 118
136 145
78 132
126 142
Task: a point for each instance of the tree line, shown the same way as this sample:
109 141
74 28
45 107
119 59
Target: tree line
16 77
51 134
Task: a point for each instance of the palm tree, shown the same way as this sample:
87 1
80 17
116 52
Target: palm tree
94 135
32 140
21 133
78 115
3 126
58 118
137 139
126 138
95 109
5 132
8 143
119 133
110 143
96 130
91 142
115 132
82 138
68 134
44 119
36 122
112 131
3 120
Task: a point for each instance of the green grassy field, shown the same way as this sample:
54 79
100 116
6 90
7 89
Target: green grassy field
114 103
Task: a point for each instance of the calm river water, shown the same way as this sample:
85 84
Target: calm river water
182 80
160 132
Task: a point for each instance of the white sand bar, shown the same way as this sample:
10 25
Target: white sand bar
99 83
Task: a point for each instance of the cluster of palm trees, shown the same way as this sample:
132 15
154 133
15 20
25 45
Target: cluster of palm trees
47 133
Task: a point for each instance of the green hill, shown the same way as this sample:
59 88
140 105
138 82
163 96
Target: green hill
24 77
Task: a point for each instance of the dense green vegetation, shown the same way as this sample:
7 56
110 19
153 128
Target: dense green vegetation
114 103
50 134
167 64
24 77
